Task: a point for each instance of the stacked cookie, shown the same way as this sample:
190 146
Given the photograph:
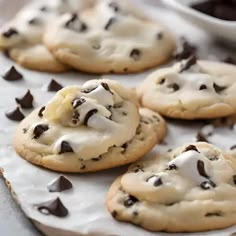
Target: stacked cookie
93 36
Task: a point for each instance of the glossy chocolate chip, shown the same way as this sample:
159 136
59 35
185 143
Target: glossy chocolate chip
39 130
54 86
40 113
188 63
12 75
171 167
157 182
59 184
216 213
174 86
130 201
89 115
106 87
191 148
208 185
54 207
110 22
234 179
65 147
135 54
201 169
10 32
26 101
219 88
15 115
203 87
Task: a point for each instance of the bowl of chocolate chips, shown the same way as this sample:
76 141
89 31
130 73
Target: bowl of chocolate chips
217 17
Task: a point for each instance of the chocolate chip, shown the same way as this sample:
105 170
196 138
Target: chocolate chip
233 147
43 8
159 35
75 117
114 214
40 113
54 207
162 81
78 102
69 23
234 179
130 201
114 6
216 213
83 27
12 75
124 113
201 169
15 115
138 169
202 87
188 63
135 54
59 184
65 147
230 60
191 148
208 185
157 182
39 130
34 21
10 32
25 130
83 166
88 90
97 158
54 86
173 86
73 18
171 167
106 87
89 115
219 88
26 101
135 213
201 138
110 22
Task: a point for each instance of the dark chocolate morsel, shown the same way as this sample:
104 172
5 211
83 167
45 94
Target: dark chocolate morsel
233 147
39 130
83 27
162 81
159 35
10 32
34 21
65 147
135 54
201 169
75 117
97 158
54 207
88 90
106 87
191 148
157 182
173 86
59 184
114 214
202 87
114 6
110 22
73 18
208 185
26 101
135 213
171 167
15 115
25 130
213 158
201 138
83 166
230 60
54 86
216 213
88 115
77 102
40 113
43 8
234 179
12 75
130 201
188 63
219 88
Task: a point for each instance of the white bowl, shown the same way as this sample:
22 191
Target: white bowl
222 29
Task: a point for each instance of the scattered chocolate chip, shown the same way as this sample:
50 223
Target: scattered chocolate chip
83 27
73 18
160 35
135 213
171 167
201 138
188 63
78 102
124 146
75 117
217 213
130 201
26 101
88 90
39 130
202 87
83 166
54 207
219 88
208 185
34 21
25 130
106 87
162 81
234 179
97 158
12 75
157 182
137 169
15 115
233 147
43 8
88 115
110 22
230 60
213 158
10 32
124 113
125 69
65 147
173 86
59 184
169 150
201 169
54 86
191 148
114 214
135 54
40 113
69 23
114 6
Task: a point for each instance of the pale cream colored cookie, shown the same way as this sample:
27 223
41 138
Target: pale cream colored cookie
88 128
190 189
111 37
191 90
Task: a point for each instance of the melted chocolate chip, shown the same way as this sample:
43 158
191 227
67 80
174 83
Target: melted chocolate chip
10 32
39 130
60 184
135 54
26 101
188 63
114 214
130 201
191 148
157 182
216 213
171 167
201 169
173 86
110 22
54 207
219 88
15 115
12 75
208 185
114 6
106 87
162 81
234 179
202 87
65 147
54 86
201 138
88 90
78 102
40 113
89 115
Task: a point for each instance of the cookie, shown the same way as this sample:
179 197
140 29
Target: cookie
191 89
88 128
190 189
22 37
111 37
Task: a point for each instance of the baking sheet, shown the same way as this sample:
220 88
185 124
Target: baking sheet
86 202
